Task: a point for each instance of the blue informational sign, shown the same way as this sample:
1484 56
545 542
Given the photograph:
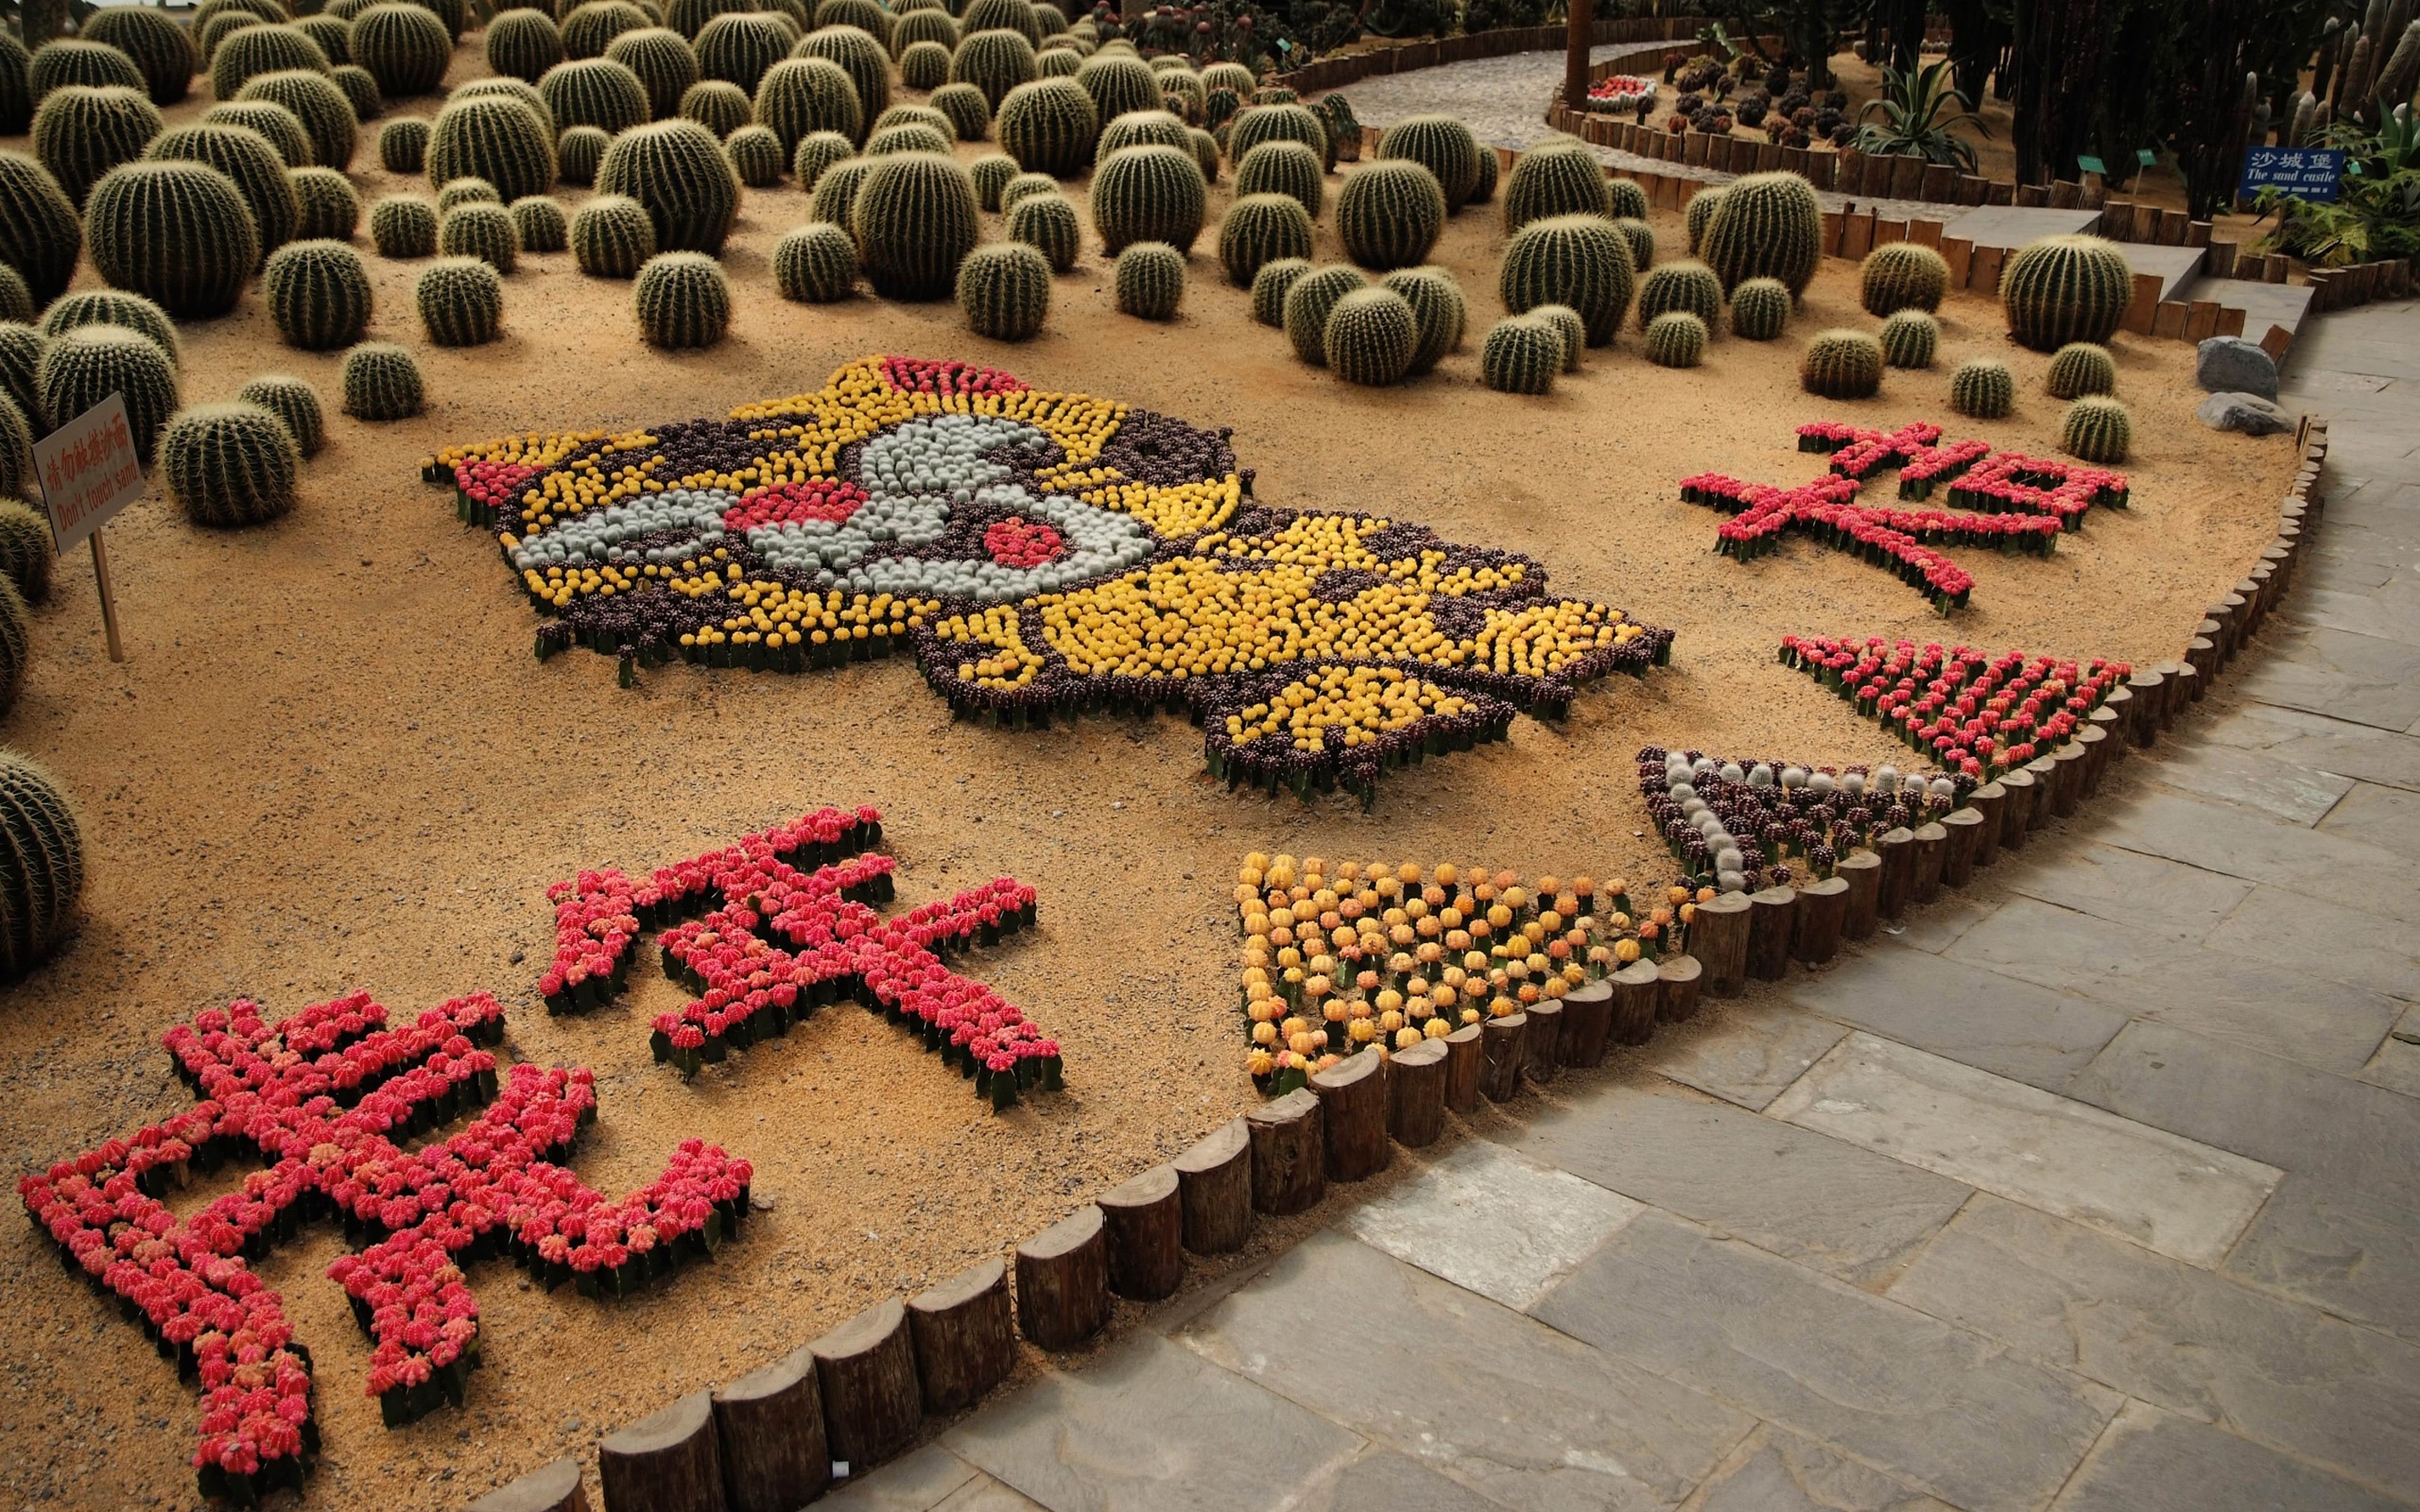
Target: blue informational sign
2305 173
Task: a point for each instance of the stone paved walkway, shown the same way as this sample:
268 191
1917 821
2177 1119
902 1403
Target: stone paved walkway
2095 1190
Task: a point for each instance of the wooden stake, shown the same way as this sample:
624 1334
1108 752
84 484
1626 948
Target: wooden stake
1815 931
965 1335
1579 40
774 1455
1353 1115
1771 915
1964 827
1289 1170
1465 1059
551 1487
1501 1041
1063 1281
1416 1094
1637 988
1587 1019
1932 843
2067 763
1214 1185
666 1462
872 1402
1898 851
1544 1056
1676 997
1863 869
1720 939
2016 812
1145 1221
108 597
1990 801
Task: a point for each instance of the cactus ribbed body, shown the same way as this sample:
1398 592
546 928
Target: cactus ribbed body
1521 355
1485 189
335 38
522 44
1012 15
404 47
932 23
908 136
246 159
1909 338
1047 223
360 90
1141 129
21 349
924 65
1768 225
42 879
739 48
589 30
1444 145
1676 339
1279 122
2080 368
40 235
578 152
319 294
1842 364
129 312
969 111
295 404
1699 215
83 366
1903 276
494 137
327 206
1057 63
17 476
275 123
991 173
26 546
63 61
756 155
683 300
381 382
177 231
326 116
1685 285
1438 305
480 229
461 301
80 133
1628 201
818 151
1371 337
1148 194
262 50
1555 179
1149 279
995 62
689 17
1023 185
16 300
1760 309
1230 75
1271 285
869 16
403 145
800 96
611 236
1004 291
675 169
1118 84
2065 289
861 56
1389 213
664 63
1642 245
511 89
836 193
815 263
401 226
16 96
2097 429
229 465
915 218
540 223
159 48
1580 261
719 104
1312 296
1565 322
1290 168
1259 228
1049 126
595 91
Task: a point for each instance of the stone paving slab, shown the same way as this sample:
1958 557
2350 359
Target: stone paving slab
2230 839
1493 1222
919 1483
2154 1461
984 1494
1478 1392
2172 1195
2347 945
2071 951
2012 225
2171 1334
1804 1195
2260 1006
2289 791
1747 1056
1777 1470
2379 815
2126 885
1382 1481
2335 1248
1968 1013
2367 679
2176 266
1949 1410
2395 1067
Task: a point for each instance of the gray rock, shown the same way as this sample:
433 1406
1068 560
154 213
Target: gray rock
2248 413
2233 364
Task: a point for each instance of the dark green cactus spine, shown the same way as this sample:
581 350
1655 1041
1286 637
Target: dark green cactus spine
21 349
578 151
481 229
836 193
800 96
689 17
129 312
1699 215
360 90
42 880
1642 245
908 136
611 236
265 49
1004 291
335 38
522 44
595 91
1118 84
1230 75
1049 126
2079 368
756 155
229 465
16 650
540 223
1565 322
1842 364
815 263
327 205
1580 261
1149 279
1262 228
63 61
1148 194
1389 213
1308 301
1023 185
1271 285
1371 337
818 151
1047 223
491 137
246 159
1684 285
1014 15
675 169
403 145
1279 122
17 476
683 300
401 226
83 366
279 126
326 116
461 301
861 55
719 104
1903 276
915 219
1141 129
1437 305
589 30
664 63
80 133
995 62
739 48
2065 289
1676 339
1559 177
25 548
1760 309
1288 168
1629 200
319 294
1444 145
160 48
179 233
381 382
406 48
2097 429
293 402
1769 225
16 94
40 235
932 23
868 16
1909 338
991 173
16 300
1521 355
969 111
924 65
1485 189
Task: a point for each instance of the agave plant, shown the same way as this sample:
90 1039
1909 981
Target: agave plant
1918 106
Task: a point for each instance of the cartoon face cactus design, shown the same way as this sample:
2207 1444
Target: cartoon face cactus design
1010 540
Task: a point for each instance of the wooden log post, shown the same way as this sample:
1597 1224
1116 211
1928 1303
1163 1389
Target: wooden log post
1416 1094
1501 1044
1677 979
1465 1059
1991 802
553 1486
1897 849
1718 939
1288 1154
2016 810
2183 693
2150 689
1963 827
965 1336
2095 741
872 1402
669 1461
1144 1220
1543 1057
2046 792
1771 917
1214 1188
2067 788
1932 848
1581 36
776 1457
1063 1280
1863 871
1638 996
1353 1114
2120 703
1588 1021
1815 929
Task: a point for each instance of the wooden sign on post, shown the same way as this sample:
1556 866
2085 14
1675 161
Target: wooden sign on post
89 472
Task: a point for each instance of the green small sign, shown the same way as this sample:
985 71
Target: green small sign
2091 164
2146 157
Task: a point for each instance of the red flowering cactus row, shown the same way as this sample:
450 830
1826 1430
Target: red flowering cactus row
1975 714
324 1096
776 941
2006 501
